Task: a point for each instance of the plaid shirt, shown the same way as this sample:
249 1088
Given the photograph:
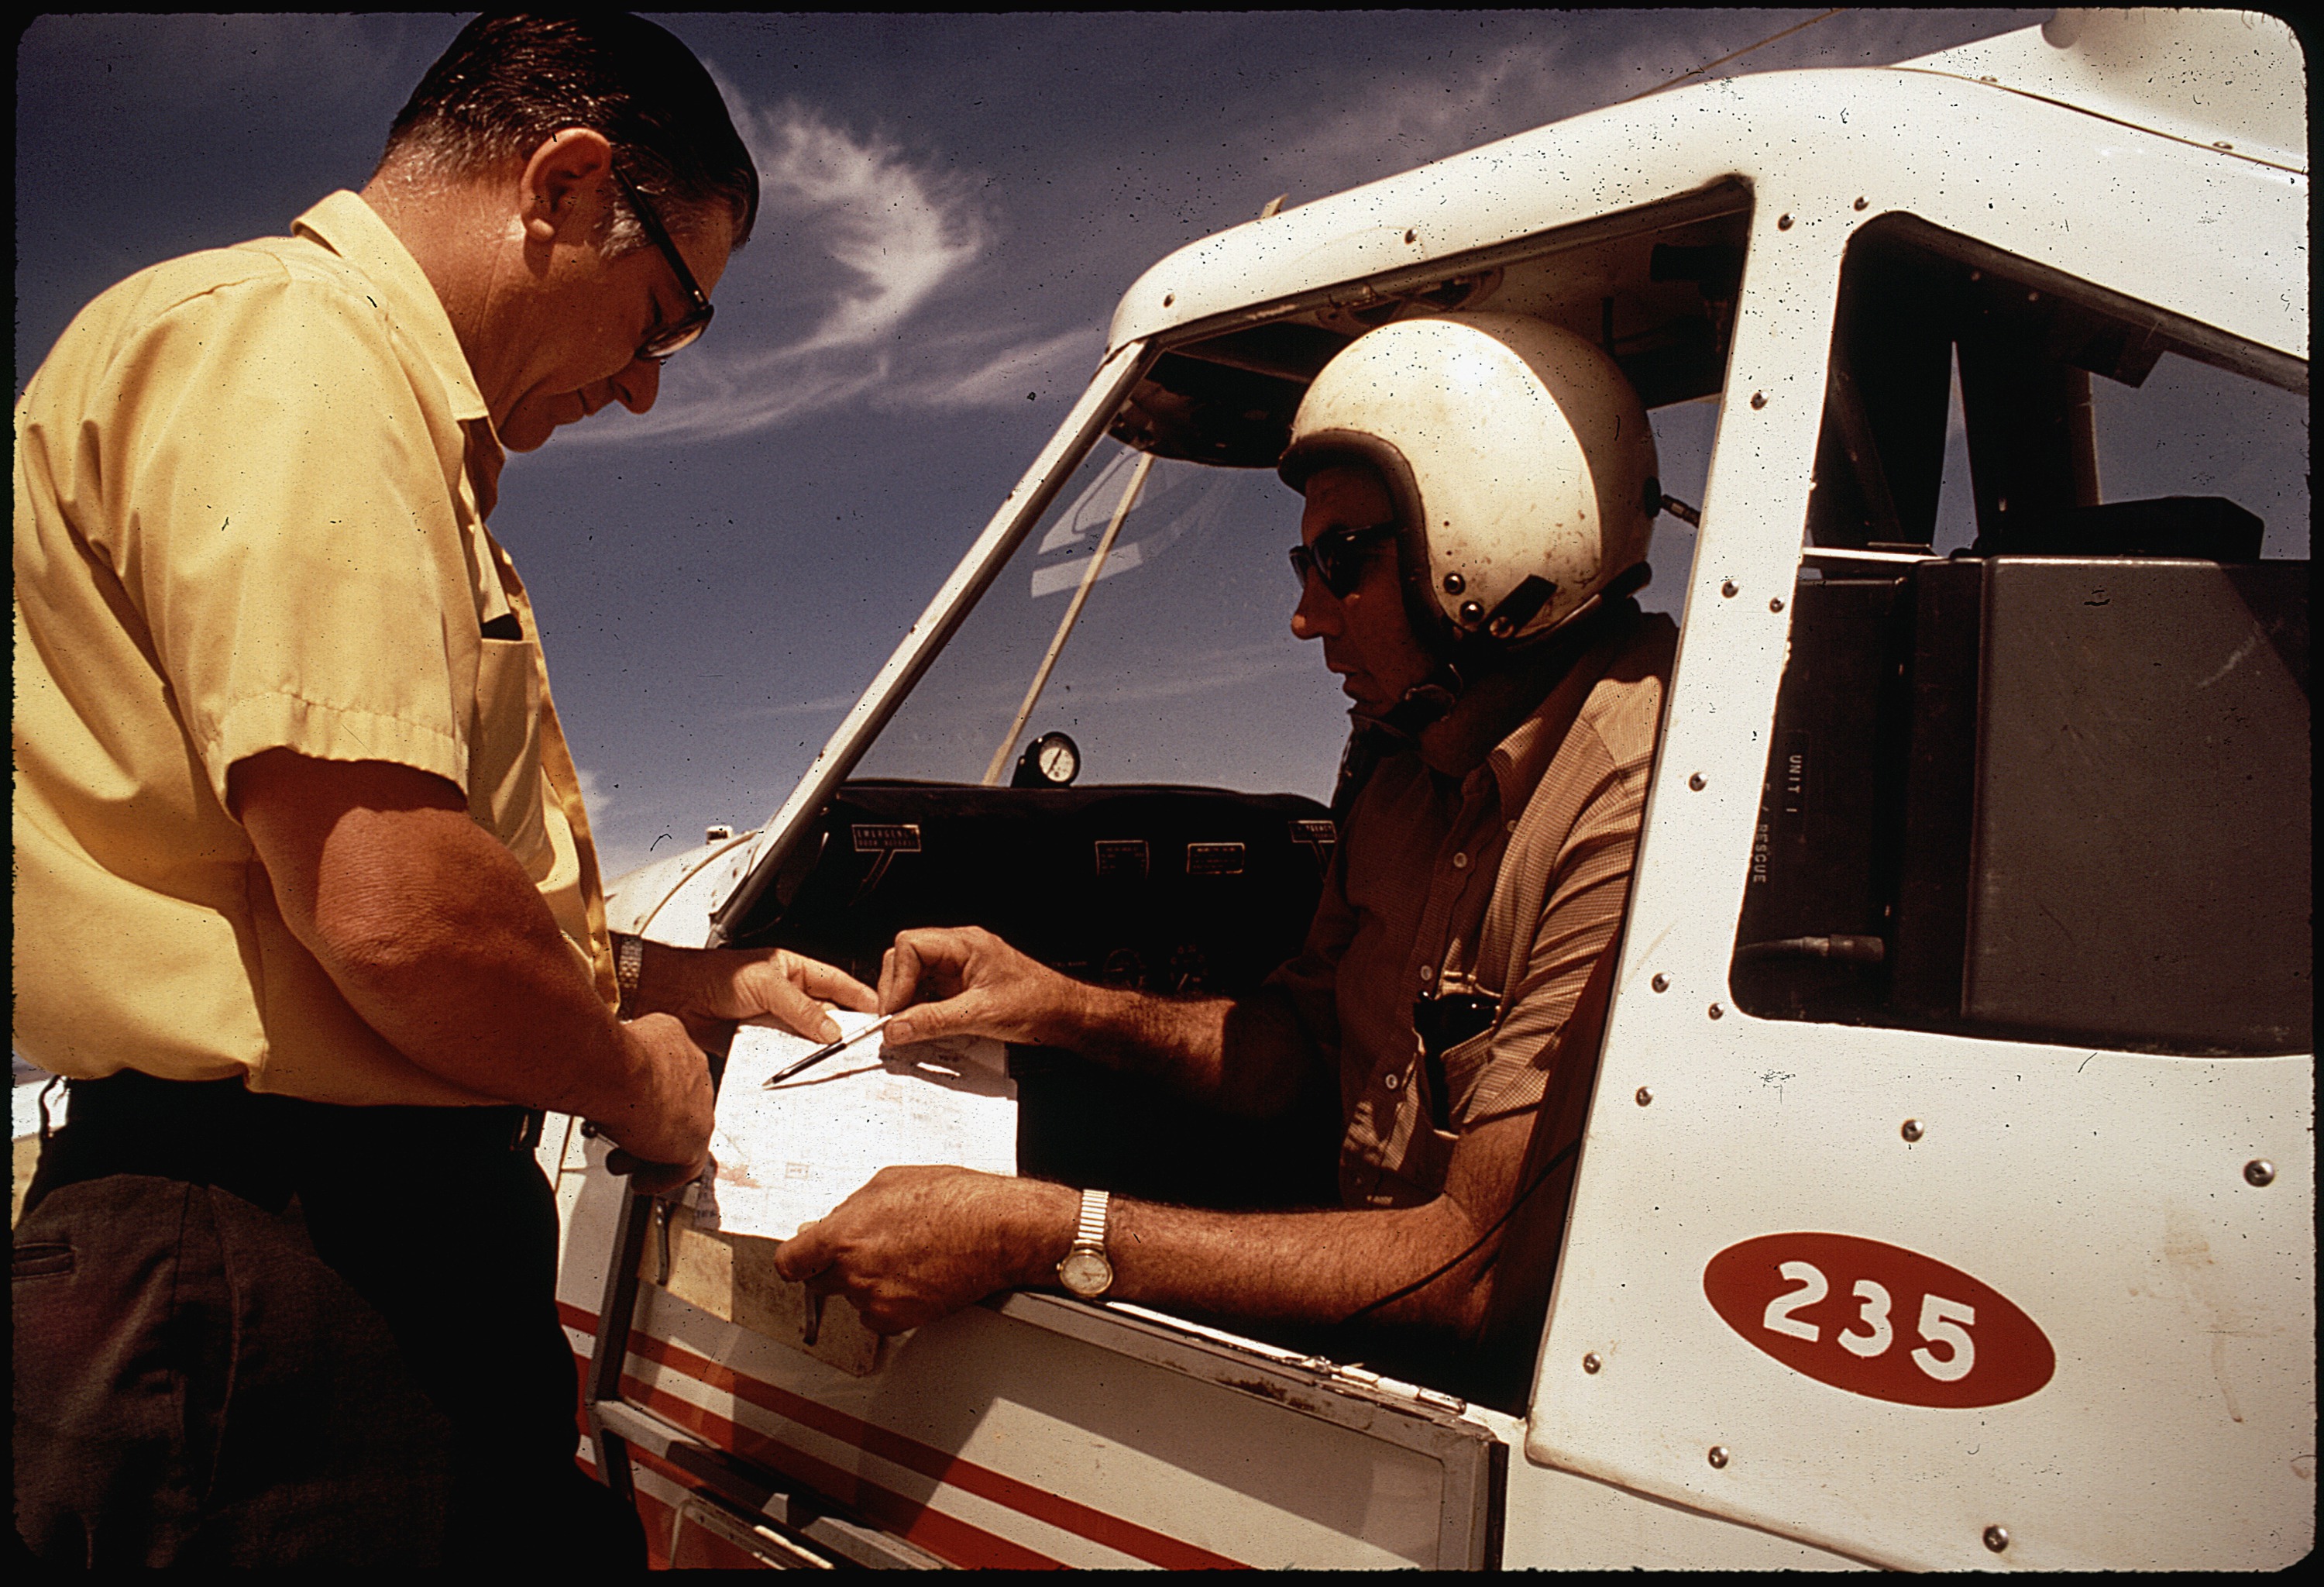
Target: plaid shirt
1549 809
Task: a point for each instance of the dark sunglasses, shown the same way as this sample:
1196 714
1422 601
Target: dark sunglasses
1338 557
659 344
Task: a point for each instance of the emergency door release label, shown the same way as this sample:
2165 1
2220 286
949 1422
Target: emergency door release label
1878 1320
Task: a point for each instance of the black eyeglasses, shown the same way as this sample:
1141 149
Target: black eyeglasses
659 344
1338 557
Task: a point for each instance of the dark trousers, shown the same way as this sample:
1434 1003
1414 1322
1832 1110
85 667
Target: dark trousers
250 1330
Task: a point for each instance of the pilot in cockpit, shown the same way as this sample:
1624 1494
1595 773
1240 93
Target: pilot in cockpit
1479 491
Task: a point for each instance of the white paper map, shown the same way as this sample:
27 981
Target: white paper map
785 1156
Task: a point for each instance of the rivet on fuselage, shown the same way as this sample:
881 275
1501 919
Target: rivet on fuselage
1646 1097
1719 1456
2260 1171
1912 1131
1997 1538
1591 1363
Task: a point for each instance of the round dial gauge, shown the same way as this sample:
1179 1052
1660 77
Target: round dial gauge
1058 758
1050 760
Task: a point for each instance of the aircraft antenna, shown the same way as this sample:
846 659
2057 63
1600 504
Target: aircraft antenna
1737 55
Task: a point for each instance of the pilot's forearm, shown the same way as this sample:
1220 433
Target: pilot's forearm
1246 1056
917 1244
1324 1267
1240 1056
1307 1267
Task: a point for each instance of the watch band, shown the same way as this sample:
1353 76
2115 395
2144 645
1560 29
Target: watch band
1091 1229
628 963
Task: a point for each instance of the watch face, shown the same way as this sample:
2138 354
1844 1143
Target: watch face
1086 1272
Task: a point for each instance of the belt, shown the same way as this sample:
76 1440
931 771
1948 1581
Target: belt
259 1146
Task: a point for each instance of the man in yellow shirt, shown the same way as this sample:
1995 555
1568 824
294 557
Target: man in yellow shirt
307 908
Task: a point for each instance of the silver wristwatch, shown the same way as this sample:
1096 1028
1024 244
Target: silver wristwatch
1085 1271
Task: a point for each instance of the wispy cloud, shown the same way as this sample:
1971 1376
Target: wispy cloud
829 705
857 241
624 836
1400 122
1405 120
1212 670
965 375
899 231
597 795
998 693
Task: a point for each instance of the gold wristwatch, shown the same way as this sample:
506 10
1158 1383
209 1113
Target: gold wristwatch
1085 1271
628 963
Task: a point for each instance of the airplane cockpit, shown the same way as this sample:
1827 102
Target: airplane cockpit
1137 647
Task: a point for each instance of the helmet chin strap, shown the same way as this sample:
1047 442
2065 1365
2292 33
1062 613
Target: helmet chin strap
1432 699
1372 738
1424 703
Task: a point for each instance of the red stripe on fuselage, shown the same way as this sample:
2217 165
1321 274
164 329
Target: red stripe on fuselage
946 1537
1064 1514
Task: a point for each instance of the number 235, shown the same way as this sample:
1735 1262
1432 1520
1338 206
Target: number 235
1942 1322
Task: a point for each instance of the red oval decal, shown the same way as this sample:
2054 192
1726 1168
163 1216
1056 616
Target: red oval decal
1878 1320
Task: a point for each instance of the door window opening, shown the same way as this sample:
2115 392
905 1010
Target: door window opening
2042 771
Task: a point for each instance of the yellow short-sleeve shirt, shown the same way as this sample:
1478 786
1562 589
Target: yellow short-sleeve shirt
250 495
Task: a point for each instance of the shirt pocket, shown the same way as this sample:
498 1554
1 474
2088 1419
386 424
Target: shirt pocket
1465 1064
506 787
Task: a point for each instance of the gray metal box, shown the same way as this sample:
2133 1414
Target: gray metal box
2140 845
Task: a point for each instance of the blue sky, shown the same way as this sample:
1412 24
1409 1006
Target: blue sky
952 205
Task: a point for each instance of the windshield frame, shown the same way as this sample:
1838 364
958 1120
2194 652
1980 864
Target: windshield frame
753 867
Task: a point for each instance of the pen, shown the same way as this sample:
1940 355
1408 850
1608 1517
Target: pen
825 1051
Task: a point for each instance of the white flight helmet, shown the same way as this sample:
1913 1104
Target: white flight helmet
1519 458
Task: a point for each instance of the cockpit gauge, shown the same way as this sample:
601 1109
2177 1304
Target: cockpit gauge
1050 760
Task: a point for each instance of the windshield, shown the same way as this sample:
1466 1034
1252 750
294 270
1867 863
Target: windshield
1180 667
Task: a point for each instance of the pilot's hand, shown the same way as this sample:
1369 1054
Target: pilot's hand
964 981
661 1122
917 1244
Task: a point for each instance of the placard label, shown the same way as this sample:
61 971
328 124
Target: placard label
1878 1320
